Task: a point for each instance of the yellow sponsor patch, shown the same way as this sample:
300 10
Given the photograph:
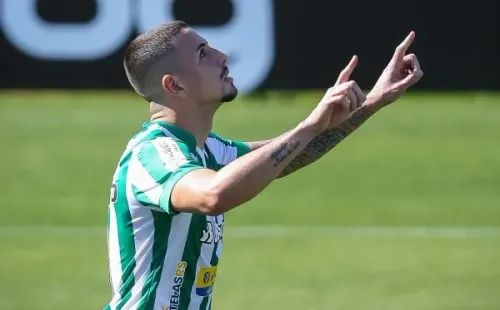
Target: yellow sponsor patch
205 280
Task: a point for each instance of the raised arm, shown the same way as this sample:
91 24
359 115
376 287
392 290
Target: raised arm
328 139
402 72
324 142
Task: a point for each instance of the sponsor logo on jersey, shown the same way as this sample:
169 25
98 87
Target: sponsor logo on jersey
170 153
176 287
205 280
212 233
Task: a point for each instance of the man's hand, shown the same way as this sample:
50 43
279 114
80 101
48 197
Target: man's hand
401 73
338 102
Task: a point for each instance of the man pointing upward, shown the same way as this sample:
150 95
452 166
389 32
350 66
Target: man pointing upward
176 178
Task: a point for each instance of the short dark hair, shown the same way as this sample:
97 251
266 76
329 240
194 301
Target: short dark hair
145 58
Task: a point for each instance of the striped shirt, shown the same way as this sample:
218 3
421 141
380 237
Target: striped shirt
158 258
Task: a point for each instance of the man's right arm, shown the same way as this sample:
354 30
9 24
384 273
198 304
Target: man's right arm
209 192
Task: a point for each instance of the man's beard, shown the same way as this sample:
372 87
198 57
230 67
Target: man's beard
230 95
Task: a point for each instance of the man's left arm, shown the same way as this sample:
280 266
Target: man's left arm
402 72
324 142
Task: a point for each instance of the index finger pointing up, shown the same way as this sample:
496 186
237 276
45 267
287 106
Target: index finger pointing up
346 73
403 47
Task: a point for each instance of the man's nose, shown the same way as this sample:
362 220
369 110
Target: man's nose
221 58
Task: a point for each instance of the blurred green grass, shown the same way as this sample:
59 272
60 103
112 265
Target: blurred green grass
428 160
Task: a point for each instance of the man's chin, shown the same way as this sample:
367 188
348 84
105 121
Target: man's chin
230 95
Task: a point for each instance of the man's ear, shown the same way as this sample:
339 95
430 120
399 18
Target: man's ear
171 85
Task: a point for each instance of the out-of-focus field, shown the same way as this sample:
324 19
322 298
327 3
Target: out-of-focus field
404 214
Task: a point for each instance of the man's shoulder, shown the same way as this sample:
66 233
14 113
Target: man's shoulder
159 156
153 140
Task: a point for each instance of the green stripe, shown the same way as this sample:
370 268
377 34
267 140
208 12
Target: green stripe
162 223
204 303
214 261
142 198
191 254
125 234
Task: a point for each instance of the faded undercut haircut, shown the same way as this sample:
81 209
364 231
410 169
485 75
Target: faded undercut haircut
149 57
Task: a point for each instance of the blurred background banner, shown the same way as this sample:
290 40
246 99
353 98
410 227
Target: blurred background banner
272 45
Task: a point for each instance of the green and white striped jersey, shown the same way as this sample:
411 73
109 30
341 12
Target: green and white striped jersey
160 259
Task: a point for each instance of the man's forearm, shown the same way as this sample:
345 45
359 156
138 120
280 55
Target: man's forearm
244 178
327 140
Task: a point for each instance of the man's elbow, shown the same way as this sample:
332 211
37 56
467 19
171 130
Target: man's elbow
214 204
203 200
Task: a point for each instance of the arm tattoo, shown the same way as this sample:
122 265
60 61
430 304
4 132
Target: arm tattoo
283 151
327 140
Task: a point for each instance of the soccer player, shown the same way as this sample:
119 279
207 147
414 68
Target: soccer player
176 178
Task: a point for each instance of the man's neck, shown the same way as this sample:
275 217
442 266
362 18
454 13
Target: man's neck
198 123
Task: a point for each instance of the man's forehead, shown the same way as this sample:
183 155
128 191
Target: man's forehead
189 39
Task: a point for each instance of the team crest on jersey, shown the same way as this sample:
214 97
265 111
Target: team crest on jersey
212 233
205 280
176 287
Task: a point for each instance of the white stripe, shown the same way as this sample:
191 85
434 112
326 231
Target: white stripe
223 154
244 232
115 269
140 178
176 242
203 156
143 230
